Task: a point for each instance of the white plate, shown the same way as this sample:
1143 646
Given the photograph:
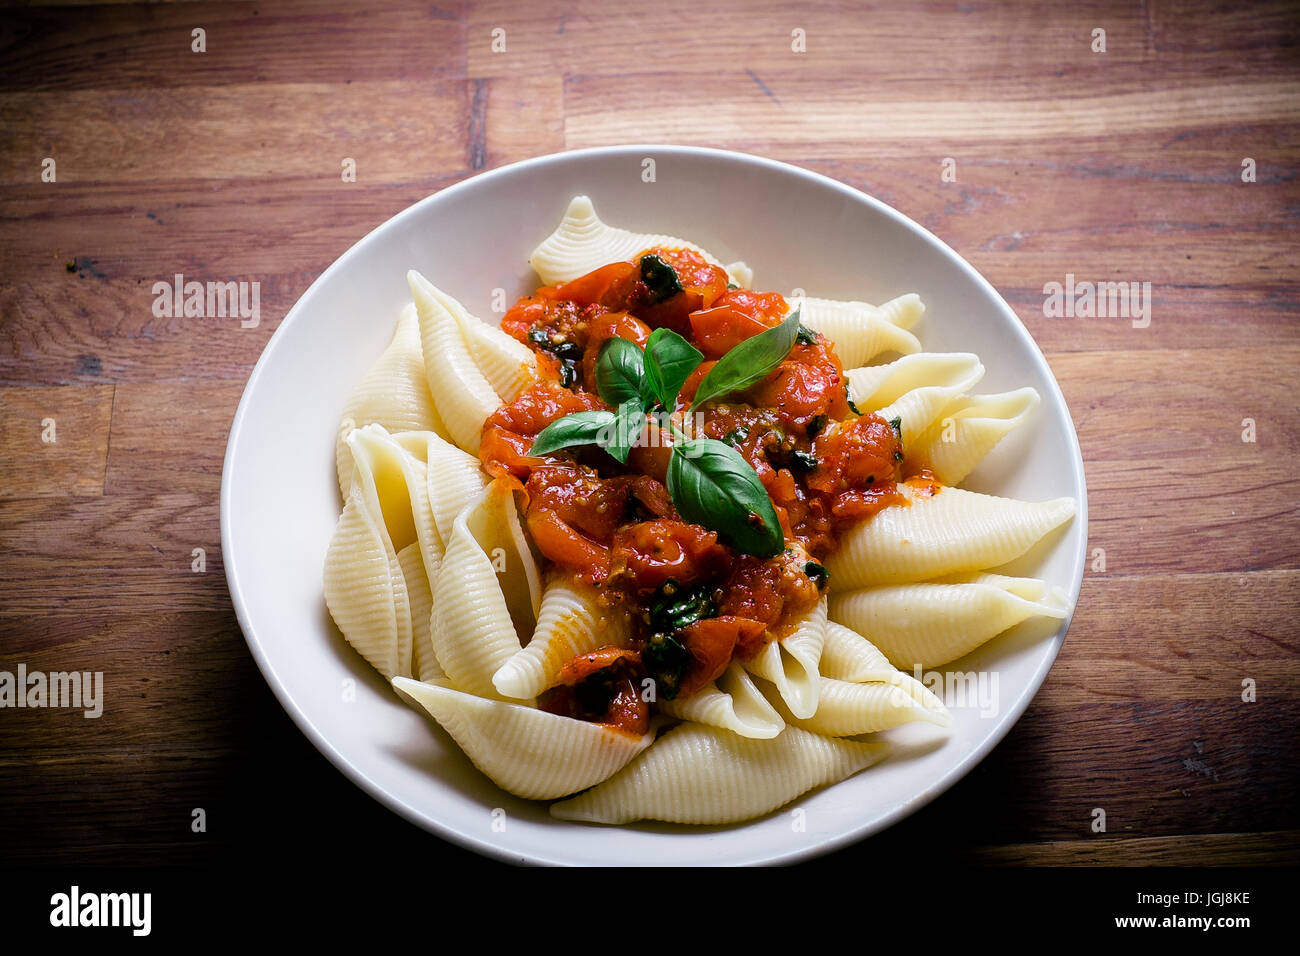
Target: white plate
279 500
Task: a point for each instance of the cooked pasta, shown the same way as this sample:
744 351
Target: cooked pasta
660 543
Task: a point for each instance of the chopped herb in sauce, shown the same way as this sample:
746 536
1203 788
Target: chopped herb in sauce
736 436
674 607
660 278
803 461
665 660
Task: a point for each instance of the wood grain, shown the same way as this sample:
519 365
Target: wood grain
227 164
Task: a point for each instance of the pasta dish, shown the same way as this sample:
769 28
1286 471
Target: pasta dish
665 546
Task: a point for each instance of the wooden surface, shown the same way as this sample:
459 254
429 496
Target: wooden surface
226 165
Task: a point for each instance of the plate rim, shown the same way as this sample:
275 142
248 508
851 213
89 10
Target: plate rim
963 765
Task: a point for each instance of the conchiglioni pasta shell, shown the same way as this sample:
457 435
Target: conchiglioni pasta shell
401 484
949 532
461 392
582 243
861 331
845 709
791 663
571 622
508 365
526 751
455 478
847 655
394 394
732 702
930 624
365 588
967 430
485 594
699 774
876 386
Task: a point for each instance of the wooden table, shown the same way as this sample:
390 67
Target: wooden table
225 165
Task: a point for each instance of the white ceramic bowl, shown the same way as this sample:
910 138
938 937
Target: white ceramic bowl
279 499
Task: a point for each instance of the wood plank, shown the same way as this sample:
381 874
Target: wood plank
156 451
1215 849
1166 462
54 441
236 131
521 119
823 118
884 41
1147 637
1194 414
60 553
150 44
1157 768
152 664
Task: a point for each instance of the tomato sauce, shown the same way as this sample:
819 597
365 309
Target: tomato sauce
695 603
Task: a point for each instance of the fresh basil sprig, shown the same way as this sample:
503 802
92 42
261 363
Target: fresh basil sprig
749 362
709 481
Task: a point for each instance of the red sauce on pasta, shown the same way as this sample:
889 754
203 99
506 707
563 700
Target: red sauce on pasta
825 467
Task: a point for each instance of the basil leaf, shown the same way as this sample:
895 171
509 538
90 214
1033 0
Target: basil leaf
629 421
713 486
580 428
749 362
620 371
669 362
660 278
806 336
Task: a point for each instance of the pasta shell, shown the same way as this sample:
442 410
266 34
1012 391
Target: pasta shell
454 477
508 365
394 394
849 656
876 386
462 391
967 430
486 594
699 774
526 751
930 624
733 702
845 709
950 532
582 243
571 622
791 663
365 587
861 331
